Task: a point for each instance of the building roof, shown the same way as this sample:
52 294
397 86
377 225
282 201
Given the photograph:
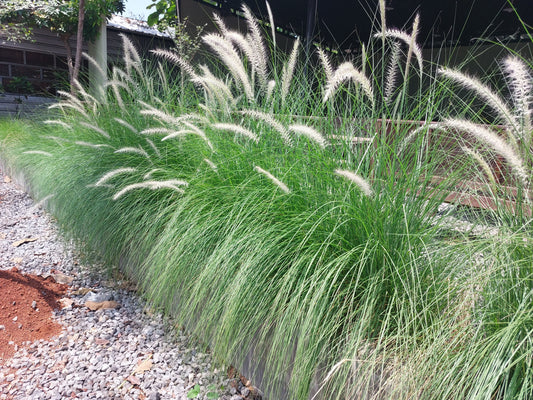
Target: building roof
136 26
344 24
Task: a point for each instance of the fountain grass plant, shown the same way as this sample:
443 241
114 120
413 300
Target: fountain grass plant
252 211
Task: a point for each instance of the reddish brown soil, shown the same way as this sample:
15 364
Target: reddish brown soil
20 320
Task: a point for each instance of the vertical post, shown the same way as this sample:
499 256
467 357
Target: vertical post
178 11
98 51
310 25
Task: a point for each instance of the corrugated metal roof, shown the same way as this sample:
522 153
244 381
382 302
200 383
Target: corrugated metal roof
137 26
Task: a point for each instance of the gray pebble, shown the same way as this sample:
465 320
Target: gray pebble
77 361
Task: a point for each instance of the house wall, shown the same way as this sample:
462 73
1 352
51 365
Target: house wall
43 61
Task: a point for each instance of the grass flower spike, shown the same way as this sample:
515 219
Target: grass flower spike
274 180
359 181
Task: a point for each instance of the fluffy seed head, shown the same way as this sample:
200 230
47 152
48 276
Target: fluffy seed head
152 185
111 174
493 140
310 133
227 53
483 91
346 71
211 164
40 152
361 183
126 125
96 129
57 122
326 64
520 85
237 129
409 40
288 70
267 118
275 180
93 145
133 150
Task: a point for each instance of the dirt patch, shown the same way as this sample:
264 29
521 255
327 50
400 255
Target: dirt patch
26 306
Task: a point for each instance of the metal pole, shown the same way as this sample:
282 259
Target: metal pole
178 11
310 25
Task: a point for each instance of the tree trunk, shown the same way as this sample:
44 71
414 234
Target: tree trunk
79 44
65 39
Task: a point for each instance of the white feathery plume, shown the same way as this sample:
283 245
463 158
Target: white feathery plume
193 130
260 57
86 96
392 69
57 122
207 110
56 138
413 134
75 107
251 53
267 118
237 129
360 182
154 147
131 56
409 40
176 59
149 174
152 185
119 74
114 86
221 24
227 53
520 85
198 132
95 64
160 115
130 47
95 128
111 174
40 152
490 97
382 10
270 89
71 98
192 117
275 180
310 133
133 150
211 164
494 141
218 88
163 77
180 133
272 24
71 102
346 71
117 83
126 125
93 145
363 59
414 48
288 70
326 64
482 163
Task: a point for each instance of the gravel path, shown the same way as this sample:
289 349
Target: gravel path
97 351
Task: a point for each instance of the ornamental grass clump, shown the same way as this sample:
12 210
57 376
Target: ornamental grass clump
287 227
509 137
